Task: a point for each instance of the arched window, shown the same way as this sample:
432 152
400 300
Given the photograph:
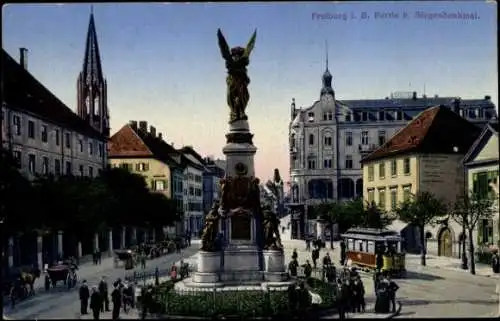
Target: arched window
292 141
311 139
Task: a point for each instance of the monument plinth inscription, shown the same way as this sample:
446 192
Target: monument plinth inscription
241 228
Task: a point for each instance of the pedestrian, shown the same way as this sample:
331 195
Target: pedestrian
116 298
13 294
327 261
307 270
495 261
292 298
95 303
143 260
315 257
304 300
103 291
94 258
294 254
376 280
147 298
173 272
393 288
98 256
342 253
331 273
178 246
361 293
84 294
379 260
292 267
308 244
342 298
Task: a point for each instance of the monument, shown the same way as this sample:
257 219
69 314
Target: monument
240 242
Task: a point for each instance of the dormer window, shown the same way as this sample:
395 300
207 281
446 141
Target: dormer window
399 115
364 116
328 115
348 116
310 116
381 115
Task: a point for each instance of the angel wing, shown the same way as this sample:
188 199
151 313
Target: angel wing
224 48
251 44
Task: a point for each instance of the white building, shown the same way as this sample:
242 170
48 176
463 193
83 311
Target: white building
43 134
328 139
193 191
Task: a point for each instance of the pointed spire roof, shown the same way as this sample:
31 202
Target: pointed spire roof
92 70
327 76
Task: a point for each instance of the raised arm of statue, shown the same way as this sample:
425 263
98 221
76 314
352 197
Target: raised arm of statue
224 47
250 45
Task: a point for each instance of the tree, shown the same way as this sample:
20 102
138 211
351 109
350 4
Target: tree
161 210
467 211
330 212
374 217
421 210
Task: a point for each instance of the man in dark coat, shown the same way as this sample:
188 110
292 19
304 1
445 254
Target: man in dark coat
393 288
342 252
495 262
307 270
84 297
315 256
292 267
327 261
295 256
342 298
103 291
116 297
95 303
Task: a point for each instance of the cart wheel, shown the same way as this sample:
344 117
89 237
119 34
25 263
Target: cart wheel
68 281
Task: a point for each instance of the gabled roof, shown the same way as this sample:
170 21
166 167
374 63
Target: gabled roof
437 130
489 130
24 92
129 143
193 158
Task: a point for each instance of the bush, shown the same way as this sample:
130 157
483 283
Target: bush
327 292
224 303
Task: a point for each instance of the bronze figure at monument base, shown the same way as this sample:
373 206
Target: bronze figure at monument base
241 192
272 239
211 229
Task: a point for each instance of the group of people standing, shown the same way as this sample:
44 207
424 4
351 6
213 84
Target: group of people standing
97 298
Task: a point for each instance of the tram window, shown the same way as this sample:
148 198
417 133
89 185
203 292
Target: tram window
370 247
360 246
350 244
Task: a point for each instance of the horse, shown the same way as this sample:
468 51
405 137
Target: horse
28 278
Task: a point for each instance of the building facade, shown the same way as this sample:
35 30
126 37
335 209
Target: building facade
211 182
481 165
425 156
193 190
328 139
142 151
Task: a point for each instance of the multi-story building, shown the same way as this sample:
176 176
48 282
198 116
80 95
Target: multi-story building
481 166
144 152
46 137
329 138
424 156
193 190
211 182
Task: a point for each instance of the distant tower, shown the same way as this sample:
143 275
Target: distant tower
327 78
92 97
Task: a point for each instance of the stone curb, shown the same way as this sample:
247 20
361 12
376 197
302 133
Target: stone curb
495 276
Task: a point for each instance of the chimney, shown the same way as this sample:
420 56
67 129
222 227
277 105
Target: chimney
456 106
23 57
160 136
143 126
133 124
414 96
152 131
487 98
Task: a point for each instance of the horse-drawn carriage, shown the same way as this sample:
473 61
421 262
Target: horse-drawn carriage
127 256
19 281
65 272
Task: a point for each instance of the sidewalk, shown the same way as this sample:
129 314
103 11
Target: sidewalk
452 264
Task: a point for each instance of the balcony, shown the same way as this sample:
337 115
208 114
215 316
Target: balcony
366 149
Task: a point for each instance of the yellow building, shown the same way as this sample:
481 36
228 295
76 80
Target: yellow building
424 156
144 152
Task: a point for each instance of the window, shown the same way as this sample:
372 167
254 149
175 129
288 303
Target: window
191 191
406 166
57 137
91 171
17 125
68 142
406 193
328 141
348 138
159 185
364 138
100 150
69 169
57 167
399 115
360 245
381 170
45 165
31 129
394 168
311 139
327 163
91 148
381 115
371 195
350 244
311 164
17 158
381 198
44 133
348 161
348 117
31 163
370 173
482 182
370 248
328 115
381 137
81 170
485 231
142 167
394 198
364 116
310 116
80 145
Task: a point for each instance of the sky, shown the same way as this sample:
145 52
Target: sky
163 65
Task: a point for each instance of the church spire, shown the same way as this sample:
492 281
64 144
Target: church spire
92 86
327 76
